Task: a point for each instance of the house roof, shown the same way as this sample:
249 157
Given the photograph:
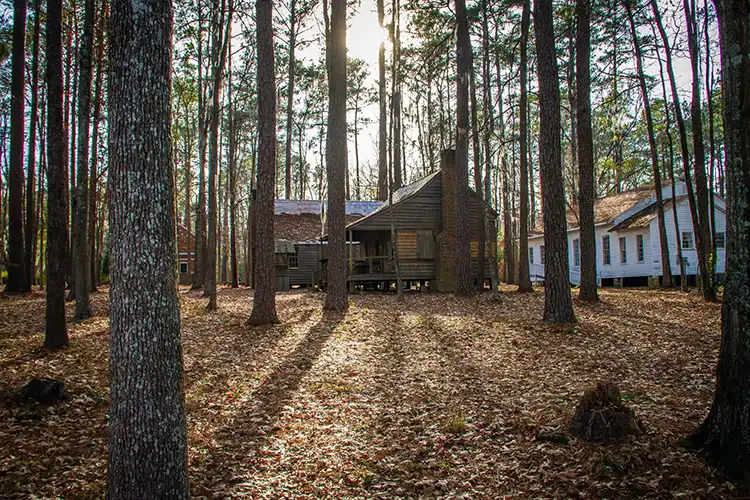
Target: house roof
302 228
399 196
644 217
300 207
606 209
301 221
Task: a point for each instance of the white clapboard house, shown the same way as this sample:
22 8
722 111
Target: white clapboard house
628 250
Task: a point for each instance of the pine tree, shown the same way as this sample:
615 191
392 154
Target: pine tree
56 332
336 296
724 434
264 302
558 306
147 430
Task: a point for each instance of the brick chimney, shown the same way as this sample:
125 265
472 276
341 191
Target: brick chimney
446 255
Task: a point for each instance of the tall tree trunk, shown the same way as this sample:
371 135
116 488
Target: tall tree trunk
290 98
463 235
572 104
56 332
489 131
18 278
383 120
80 203
31 215
232 175
218 60
665 265
93 194
147 429
683 139
336 296
524 278
724 434
264 301
710 108
586 196
482 237
200 215
702 228
558 306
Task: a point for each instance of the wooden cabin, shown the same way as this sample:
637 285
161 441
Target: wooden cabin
425 225
299 248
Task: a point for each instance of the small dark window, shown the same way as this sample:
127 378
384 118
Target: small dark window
183 268
577 252
720 239
639 244
293 261
543 257
687 241
606 257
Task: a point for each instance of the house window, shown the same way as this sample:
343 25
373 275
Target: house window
639 244
687 241
531 255
720 240
577 252
606 257
623 251
543 257
293 261
183 268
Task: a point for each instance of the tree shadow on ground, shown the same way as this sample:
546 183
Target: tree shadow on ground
235 447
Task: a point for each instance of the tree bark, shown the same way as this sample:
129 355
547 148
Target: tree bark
218 59
80 204
464 285
489 131
147 429
383 121
586 196
290 99
336 296
56 332
200 216
702 227
558 306
232 176
31 211
665 265
18 278
93 194
482 237
264 301
524 278
680 121
725 434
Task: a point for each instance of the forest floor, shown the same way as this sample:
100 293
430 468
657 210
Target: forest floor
437 397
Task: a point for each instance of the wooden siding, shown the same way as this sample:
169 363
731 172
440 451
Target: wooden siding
309 265
651 264
422 211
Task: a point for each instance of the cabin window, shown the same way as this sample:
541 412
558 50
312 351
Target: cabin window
543 258
531 255
577 252
687 240
623 250
183 268
639 244
720 240
293 260
606 257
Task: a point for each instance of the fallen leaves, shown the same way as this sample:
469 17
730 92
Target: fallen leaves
435 397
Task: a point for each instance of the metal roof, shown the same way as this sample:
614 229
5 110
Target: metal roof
299 207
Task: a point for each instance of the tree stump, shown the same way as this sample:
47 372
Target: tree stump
45 391
601 415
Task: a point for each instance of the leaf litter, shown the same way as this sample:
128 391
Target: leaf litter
437 397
